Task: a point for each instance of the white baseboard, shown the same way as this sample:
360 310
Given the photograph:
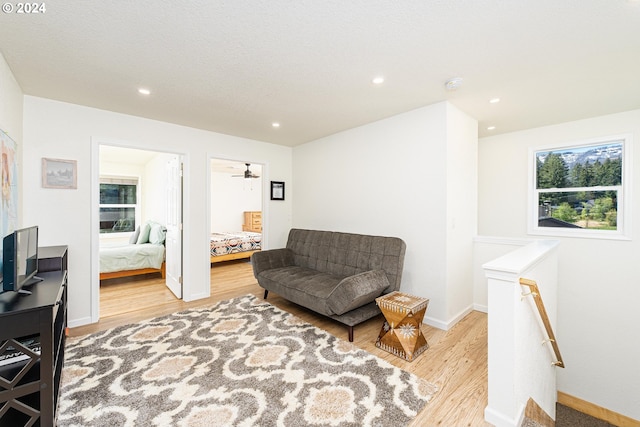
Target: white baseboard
499 419
480 307
437 323
74 323
194 297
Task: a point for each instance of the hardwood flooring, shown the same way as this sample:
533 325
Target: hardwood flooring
456 360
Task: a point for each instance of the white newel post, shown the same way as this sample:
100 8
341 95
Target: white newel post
520 365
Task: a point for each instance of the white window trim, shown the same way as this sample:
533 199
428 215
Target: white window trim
124 179
623 231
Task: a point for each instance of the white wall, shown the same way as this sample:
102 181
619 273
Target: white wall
67 131
486 249
462 199
598 292
231 197
391 178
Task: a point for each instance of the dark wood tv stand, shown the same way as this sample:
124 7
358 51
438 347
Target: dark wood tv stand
29 388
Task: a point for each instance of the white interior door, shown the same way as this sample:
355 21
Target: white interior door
173 241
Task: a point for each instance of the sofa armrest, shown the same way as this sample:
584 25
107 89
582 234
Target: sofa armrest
357 290
269 259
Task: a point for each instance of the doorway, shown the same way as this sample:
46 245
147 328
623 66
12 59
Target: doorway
236 212
139 214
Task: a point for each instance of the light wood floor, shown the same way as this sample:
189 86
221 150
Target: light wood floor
456 360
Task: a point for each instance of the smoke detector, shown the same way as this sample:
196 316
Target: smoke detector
453 84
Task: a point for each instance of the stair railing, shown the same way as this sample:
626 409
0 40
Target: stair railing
535 293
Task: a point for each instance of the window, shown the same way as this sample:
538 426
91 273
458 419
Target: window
580 190
118 204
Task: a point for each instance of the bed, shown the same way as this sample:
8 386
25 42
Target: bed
131 260
236 245
145 253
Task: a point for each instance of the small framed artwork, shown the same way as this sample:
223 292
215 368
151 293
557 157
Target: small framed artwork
58 173
277 190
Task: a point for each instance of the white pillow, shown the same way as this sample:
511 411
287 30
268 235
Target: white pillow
157 234
144 234
134 236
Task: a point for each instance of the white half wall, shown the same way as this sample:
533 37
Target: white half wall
67 131
598 290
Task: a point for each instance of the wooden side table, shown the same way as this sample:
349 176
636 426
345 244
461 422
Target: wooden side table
400 333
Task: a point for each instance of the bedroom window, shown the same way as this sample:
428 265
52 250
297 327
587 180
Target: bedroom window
580 190
118 204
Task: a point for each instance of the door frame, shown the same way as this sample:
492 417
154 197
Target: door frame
95 211
265 192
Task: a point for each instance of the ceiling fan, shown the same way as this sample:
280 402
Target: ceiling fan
247 174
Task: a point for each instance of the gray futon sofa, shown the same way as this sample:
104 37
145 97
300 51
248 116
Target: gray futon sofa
335 274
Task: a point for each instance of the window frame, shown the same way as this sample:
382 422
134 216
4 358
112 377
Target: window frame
623 225
126 180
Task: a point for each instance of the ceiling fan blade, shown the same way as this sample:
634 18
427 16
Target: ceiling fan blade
247 174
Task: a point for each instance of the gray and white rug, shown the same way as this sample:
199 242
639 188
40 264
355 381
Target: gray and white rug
242 362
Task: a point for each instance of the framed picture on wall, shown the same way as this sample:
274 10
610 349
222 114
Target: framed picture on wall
277 190
58 173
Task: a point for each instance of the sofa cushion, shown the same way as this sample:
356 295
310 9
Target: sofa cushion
347 254
355 291
306 287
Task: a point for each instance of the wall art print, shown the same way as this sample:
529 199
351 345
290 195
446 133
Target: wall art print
59 173
9 173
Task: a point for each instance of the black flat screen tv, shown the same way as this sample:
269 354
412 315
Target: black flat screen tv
19 258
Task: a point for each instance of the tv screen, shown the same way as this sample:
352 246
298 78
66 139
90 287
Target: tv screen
20 258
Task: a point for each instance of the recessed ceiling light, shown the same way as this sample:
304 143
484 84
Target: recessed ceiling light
144 91
494 100
491 128
275 124
378 80
453 84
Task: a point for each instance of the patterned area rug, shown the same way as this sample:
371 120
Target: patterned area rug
241 362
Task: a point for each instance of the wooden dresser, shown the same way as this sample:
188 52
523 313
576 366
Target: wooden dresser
252 221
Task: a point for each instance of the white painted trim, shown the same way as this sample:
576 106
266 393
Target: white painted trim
493 240
79 322
499 419
95 217
509 266
623 231
480 307
94 310
436 323
265 198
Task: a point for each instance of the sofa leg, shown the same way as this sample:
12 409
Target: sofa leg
350 333
266 292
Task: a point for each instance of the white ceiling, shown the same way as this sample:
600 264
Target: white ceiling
237 66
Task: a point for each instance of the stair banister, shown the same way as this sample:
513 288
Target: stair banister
537 297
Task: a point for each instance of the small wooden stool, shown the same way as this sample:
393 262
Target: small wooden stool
400 333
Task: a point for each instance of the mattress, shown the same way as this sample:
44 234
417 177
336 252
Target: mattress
231 243
131 257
